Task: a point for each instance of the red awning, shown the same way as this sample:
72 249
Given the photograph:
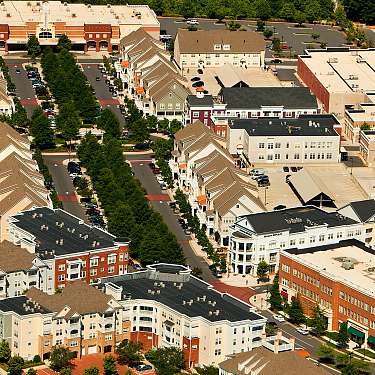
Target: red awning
124 63
182 165
202 200
140 90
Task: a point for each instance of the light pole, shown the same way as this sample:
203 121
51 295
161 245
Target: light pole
351 164
265 196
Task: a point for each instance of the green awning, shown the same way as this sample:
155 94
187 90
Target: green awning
371 340
356 332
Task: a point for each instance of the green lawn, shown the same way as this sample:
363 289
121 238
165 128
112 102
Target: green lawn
367 353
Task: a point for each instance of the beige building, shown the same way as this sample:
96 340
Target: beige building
151 78
210 48
217 191
338 76
367 147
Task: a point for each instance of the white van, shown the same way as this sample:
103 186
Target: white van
256 172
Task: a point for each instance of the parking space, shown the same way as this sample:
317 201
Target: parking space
337 177
102 93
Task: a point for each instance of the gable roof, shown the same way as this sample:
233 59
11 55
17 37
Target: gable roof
14 258
365 209
191 131
203 41
79 296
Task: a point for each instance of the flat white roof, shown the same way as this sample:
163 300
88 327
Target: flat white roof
329 263
20 12
344 71
363 113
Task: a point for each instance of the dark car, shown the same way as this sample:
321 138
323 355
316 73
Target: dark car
293 169
156 170
195 79
279 207
143 367
90 204
97 79
182 222
200 71
286 169
287 178
198 84
18 71
152 165
276 61
76 180
86 200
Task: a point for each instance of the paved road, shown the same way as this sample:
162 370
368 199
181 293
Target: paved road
297 38
24 89
148 181
63 184
101 90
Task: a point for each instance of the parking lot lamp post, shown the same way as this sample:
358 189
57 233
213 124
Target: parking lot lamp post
265 196
351 164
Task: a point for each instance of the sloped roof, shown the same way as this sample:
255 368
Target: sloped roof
191 131
364 209
14 258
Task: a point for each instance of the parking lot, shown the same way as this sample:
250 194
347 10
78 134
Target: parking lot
337 177
297 38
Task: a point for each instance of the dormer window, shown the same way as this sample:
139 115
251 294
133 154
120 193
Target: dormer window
217 47
226 47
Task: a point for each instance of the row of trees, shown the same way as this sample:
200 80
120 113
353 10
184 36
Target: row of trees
200 234
123 199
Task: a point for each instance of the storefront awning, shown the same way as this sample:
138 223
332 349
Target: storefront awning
356 332
371 340
182 165
201 199
140 90
124 63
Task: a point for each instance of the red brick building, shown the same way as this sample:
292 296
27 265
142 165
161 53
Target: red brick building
338 278
72 249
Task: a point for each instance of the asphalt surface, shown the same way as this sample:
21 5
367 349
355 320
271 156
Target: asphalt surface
24 90
101 89
144 174
63 184
284 31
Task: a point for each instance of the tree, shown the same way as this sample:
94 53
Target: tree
233 26
15 365
288 11
33 46
261 25
276 45
174 126
315 36
5 352
167 361
275 300
267 33
66 371
64 43
60 358
270 329
351 366
109 365
37 358
187 9
31 371
92 371
109 122
300 18
68 121
343 336
365 126
129 353
207 370
295 311
41 130
262 269
196 271
263 9
318 321
326 354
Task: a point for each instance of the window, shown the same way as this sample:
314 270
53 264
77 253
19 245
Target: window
61 277
321 237
277 156
97 35
270 146
296 156
93 272
329 156
261 145
61 267
196 114
217 47
112 259
94 262
104 35
269 157
277 145
111 269
162 106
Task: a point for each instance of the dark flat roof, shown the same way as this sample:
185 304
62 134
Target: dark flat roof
305 125
184 299
364 209
256 97
295 219
194 101
21 305
50 226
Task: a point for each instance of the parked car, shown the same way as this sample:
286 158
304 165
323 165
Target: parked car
143 367
182 222
90 204
163 186
192 22
257 172
156 170
286 169
276 61
303 331
287 177
151 165
187 231
198 84
159 178
279 318
137 266
97 79
76 180
87 201
193 79
18 71
294 169
200 71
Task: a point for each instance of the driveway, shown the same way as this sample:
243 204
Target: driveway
63 185
101 90
144 174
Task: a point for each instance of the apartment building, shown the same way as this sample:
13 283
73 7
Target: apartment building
210 48
217 191
338 76
359 117
151 77
89 27
167 306
21 184
72 249
6 101
338 278
309 139
261 236
81 318
21 270
249 102
367 147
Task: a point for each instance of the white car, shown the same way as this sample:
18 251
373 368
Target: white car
279 318
303 331
192 22
159 178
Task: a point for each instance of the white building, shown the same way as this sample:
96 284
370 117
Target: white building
210 48
261 236
309 139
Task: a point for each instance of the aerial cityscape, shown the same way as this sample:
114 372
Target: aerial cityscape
187 187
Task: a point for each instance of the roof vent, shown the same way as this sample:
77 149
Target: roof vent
347 264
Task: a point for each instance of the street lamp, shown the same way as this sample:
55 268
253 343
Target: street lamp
265 195
351 164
